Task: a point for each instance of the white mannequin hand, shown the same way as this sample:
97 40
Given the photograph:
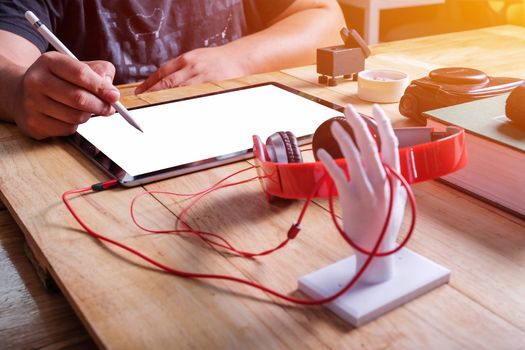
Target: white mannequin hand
365 198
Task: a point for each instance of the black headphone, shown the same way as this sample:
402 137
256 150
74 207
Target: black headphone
515 107
424 154
283 146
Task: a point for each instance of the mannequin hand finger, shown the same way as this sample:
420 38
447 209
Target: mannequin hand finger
367 146
334 170
353 160
389 141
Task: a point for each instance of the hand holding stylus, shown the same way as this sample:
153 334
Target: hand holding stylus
365 197
57 92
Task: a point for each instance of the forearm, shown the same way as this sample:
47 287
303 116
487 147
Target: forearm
10 77
291 41
16 55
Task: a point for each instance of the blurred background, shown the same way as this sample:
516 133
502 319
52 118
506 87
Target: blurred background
450 16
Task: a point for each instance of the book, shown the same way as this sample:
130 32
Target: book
495 171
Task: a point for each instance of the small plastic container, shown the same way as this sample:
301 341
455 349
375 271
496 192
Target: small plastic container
381 85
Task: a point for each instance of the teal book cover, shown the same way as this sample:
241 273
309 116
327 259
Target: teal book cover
495 171
484 118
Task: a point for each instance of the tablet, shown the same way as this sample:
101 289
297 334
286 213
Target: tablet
200 132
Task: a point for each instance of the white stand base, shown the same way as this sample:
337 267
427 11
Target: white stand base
415 275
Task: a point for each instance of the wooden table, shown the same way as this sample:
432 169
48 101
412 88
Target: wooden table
372 9
125 303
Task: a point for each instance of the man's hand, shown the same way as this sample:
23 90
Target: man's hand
57 93
194 67
288 40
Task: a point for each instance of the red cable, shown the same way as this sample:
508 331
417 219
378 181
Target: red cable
412 200
213 187
390 172
199 233
292 233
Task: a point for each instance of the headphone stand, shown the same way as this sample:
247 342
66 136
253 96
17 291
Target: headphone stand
414 276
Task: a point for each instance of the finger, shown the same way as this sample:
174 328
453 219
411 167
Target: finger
58 127
367 146
75 97
354 164
173 80
196 79
43 126
80 74
159 77
333 169
63 112
389 141
103 68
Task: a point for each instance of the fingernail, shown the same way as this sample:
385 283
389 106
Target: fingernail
139 89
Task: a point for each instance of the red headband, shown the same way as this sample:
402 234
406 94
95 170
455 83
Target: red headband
423 154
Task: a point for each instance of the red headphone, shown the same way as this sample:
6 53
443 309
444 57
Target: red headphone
424 154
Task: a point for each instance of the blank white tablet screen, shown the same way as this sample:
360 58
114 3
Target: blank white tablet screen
187 131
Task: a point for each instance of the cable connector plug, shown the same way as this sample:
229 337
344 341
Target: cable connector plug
294 231
101 186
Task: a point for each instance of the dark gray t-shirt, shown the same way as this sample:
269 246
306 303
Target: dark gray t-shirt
138 36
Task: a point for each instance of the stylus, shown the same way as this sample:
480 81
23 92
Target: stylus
57 44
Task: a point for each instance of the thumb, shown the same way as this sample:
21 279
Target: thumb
103 68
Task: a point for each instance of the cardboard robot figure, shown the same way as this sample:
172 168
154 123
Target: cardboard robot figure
388 281
342 60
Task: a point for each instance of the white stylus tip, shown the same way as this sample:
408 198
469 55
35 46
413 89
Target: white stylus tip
30 16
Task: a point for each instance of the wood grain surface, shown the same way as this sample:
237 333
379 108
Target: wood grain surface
125 303
31 316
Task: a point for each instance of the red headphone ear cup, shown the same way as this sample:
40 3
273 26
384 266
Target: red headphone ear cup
282 147
323 137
